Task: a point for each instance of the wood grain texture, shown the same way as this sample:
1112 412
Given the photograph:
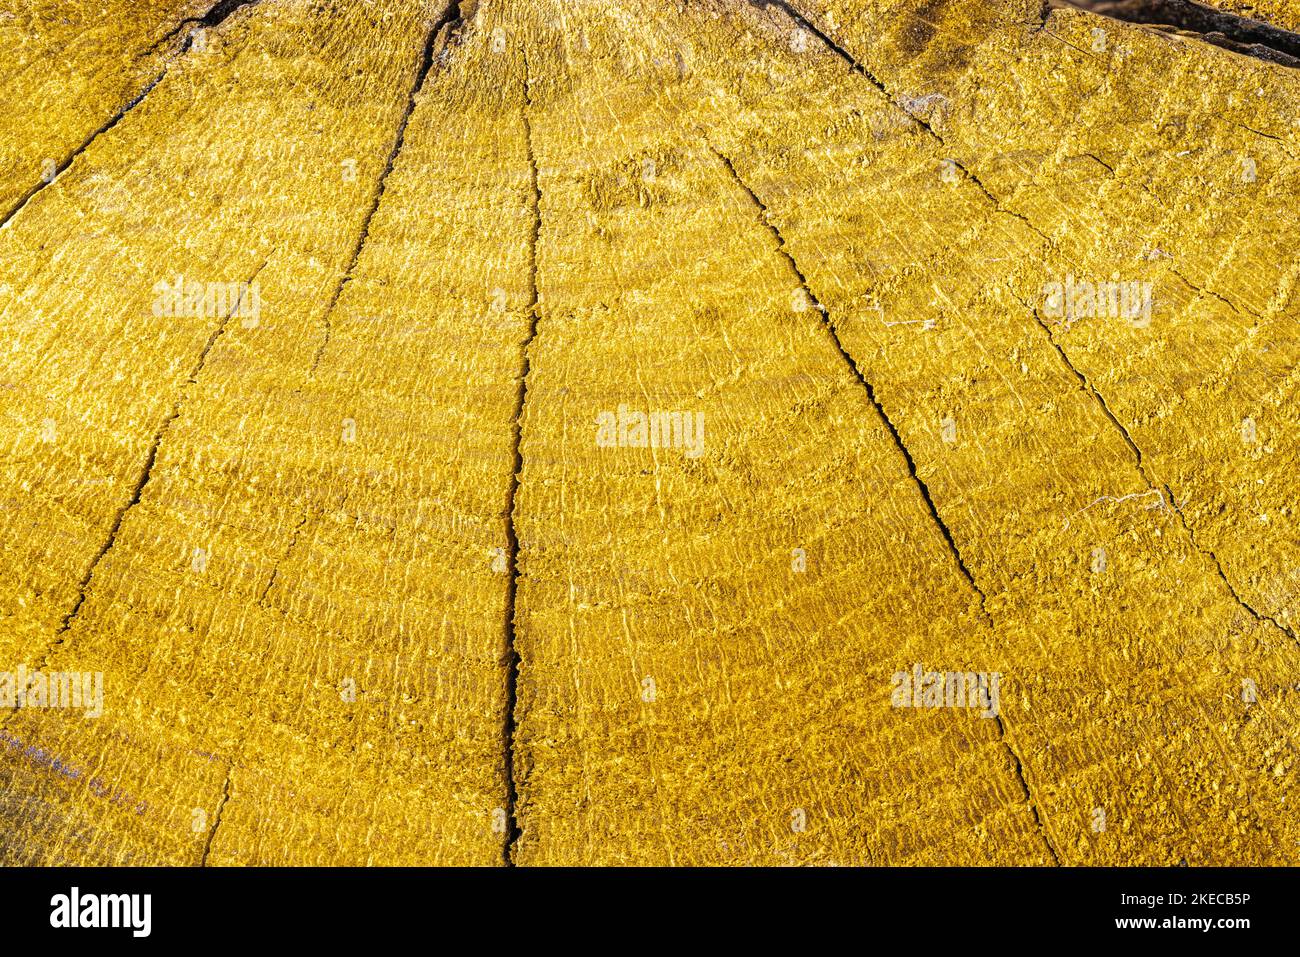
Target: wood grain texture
383 572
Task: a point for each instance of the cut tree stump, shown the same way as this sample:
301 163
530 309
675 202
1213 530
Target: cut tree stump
563 433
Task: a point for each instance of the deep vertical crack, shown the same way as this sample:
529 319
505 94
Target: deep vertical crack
512 536
766 219
436 39
1044 13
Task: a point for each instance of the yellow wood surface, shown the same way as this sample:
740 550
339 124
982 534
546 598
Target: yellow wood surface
368 584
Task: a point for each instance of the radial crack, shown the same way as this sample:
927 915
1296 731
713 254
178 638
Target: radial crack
216 16
512 537
49 178
829 325
146 472
857 67
1153 484
847 57
1029 795
216 818
1218 567
437 38
275 571
924 124
810 27
1202 291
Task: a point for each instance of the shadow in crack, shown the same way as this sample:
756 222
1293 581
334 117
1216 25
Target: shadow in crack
1219 27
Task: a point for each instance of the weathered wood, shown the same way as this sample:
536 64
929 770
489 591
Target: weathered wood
696 686
215 524
1029 523
389 571
70 69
